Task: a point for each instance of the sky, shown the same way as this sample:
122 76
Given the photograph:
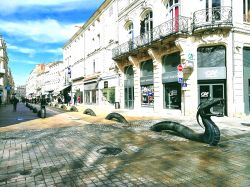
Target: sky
36 30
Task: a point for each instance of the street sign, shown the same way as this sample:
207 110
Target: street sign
180 67
184 85
180 74
180 80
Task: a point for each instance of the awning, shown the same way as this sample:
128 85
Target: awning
61 88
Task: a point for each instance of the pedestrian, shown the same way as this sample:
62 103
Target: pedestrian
14 102
75 99
79 99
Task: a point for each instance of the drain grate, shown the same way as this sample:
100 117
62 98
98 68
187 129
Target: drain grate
109 151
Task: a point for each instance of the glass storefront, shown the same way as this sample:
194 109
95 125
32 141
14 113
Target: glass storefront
109 94
91 93
211 61
147 87
172 89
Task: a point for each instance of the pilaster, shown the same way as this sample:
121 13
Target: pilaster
158 89
137 90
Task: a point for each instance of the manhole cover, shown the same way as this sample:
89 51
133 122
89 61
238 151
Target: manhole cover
25 172
109 150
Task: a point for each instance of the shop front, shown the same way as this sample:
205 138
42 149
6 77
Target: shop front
91 92
172 89
147 84
211 76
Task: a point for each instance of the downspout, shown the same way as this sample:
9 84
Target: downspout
233 68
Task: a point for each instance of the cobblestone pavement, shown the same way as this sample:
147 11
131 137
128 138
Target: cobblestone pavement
118 155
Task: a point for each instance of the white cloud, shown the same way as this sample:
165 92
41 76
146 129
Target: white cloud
21 49
11 6
42 31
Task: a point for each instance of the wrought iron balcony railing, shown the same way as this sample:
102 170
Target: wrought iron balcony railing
173 26
219 16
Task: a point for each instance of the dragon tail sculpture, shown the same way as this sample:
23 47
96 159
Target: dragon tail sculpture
211 135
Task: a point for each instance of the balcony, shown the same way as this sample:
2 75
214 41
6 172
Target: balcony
174 26
2 72
219 17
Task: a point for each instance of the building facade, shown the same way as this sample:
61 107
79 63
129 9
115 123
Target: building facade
6 80
88 55
210 39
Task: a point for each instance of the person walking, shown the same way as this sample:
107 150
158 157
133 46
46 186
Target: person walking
14 101
75 99
79 99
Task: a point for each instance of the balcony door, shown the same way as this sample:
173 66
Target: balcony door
213 10
173 9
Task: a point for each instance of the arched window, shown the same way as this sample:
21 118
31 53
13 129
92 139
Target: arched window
129 72
147 23
147 68
130 31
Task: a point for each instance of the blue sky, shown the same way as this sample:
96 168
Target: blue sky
36 30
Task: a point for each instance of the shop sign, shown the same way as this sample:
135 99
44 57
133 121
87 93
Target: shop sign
169 77
147 80
106 84
212 73
204 94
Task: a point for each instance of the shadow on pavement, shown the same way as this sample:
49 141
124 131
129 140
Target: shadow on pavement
23 114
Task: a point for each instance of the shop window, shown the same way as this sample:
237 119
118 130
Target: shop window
212 56
147 95
171 61
146 68
172 92
246 10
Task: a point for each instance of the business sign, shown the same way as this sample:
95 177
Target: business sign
212 73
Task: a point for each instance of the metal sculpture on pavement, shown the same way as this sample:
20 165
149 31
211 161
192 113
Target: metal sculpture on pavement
211 135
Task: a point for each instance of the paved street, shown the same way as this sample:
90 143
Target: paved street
65 149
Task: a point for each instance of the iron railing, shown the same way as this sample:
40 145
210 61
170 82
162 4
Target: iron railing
173 26
218 16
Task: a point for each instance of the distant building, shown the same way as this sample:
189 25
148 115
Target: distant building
20 91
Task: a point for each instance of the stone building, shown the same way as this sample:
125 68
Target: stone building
208 41
6 78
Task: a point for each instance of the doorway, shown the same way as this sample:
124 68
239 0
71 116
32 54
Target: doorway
213 91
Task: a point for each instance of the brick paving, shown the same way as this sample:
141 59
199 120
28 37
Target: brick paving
70 155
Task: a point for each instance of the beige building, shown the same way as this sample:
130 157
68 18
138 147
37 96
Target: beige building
208 41
6 79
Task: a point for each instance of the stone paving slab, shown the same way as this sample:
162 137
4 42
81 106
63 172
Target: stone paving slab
62 151
69 157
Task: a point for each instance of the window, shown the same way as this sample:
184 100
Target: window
94 66
173 13
146 68
212 56
171 61
147 23
246 10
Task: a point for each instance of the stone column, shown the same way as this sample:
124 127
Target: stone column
137 89
158 87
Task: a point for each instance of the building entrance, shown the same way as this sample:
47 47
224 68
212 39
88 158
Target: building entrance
212 91
129 87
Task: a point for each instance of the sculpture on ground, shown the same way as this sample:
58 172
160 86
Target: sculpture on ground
211 135
117 117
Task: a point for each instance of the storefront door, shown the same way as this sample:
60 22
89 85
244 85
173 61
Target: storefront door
129 97
212 91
